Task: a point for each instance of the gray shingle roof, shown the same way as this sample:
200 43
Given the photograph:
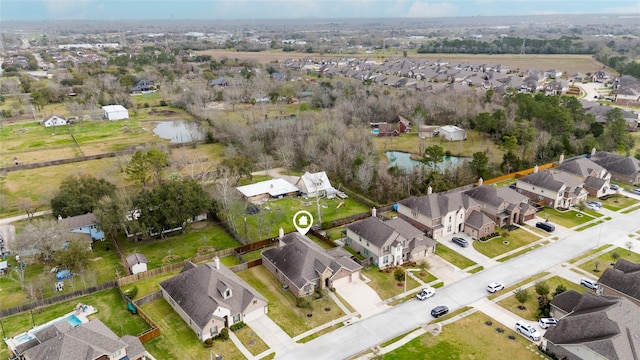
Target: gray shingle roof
302 261
87 341
136 258
567 300
626 281
581 166
74 222
616 164
477 219
374 230
439 204
405 229
196 291
496 196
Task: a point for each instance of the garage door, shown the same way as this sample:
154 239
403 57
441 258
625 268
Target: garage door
346 279
254 314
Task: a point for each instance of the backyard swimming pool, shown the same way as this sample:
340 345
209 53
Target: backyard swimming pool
73 320
22 338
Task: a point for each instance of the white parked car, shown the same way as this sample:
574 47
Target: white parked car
590 284
527 330
495 286
546 322
426 293
593 207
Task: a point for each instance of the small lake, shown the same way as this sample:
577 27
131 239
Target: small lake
403 161
179 131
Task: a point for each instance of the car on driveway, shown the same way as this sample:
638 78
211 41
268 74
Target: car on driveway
439 310
547 322
597 204
527 330
593 207
426 293
548 227
494 287
589 284
614 187
635 191
460 241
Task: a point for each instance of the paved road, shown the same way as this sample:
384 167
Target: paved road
364 334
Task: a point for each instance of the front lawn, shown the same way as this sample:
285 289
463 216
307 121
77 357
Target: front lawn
510 240
568 219
112 311
597 265
617 202
159 252
251 340
453 257
531 306
177 341
282 303
467 338
383 282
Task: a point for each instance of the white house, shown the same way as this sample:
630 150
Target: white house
54 120
316 184
115 112
452 133
137 263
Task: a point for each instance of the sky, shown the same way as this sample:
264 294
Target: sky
299 9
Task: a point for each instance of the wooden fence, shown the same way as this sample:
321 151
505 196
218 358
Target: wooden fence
246 265
518 174
56 299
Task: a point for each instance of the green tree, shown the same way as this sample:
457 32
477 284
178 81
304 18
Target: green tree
110 214
433 155
139 169
398 274
74 254
616 135
79 194
542 288
559 290
522 295
479 165
158 162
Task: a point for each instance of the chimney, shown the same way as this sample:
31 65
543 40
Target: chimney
561 159
593 151
216 263
429 190
480 181
373 212
535 169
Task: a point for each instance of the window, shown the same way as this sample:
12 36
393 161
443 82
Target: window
449 218
116 354
449 228
349 241
414 213
486 230
214 330
385 249
367 252
236 318
540 197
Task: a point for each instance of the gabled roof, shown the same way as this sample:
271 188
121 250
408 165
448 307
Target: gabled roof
136 258
375 231
273 187
605 325
405 229
75 222
309 183
496 196
196 291
543 179
567 300
450 128
477 219
628 166
88 341
439 204
302 261
581 166
594 182
624 278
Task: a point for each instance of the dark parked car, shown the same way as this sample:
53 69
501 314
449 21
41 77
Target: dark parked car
438 311
548 227
460 241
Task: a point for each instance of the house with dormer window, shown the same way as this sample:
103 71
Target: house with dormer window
210 297
553 189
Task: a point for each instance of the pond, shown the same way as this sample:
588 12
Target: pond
179 131
403 161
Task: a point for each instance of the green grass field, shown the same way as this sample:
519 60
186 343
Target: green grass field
567 219
453 257
467 338
510 240
385 285
597 265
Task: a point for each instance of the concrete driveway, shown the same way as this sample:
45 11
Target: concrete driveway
362 298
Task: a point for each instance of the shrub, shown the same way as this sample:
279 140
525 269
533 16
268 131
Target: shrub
208 343
131 293
238 326
317 294
224 334
303 303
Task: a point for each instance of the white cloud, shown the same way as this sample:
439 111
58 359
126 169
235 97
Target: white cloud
426 9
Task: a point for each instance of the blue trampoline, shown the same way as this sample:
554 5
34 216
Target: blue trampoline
64 274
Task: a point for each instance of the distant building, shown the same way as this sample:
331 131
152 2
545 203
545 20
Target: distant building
452 133
115 112
54 120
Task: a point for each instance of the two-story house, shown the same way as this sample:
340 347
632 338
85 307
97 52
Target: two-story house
503 205
595 178
388 243
554 189
625 169
440 215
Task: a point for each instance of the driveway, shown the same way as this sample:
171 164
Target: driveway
272 334
362 298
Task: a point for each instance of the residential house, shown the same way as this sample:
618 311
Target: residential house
90 341
388 243
268 189
143 86
452 133
210 297
563 303
554 189
137 263
316 184
595 327
478 225
440 215
115 112
83 224
54 120
623 280
303 266
502 205
627 90
595 177
625 169
395 127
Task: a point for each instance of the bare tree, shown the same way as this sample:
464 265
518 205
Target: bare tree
43 237
29 206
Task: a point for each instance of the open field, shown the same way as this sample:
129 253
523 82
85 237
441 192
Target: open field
112 311
467 338
282 303
566 63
